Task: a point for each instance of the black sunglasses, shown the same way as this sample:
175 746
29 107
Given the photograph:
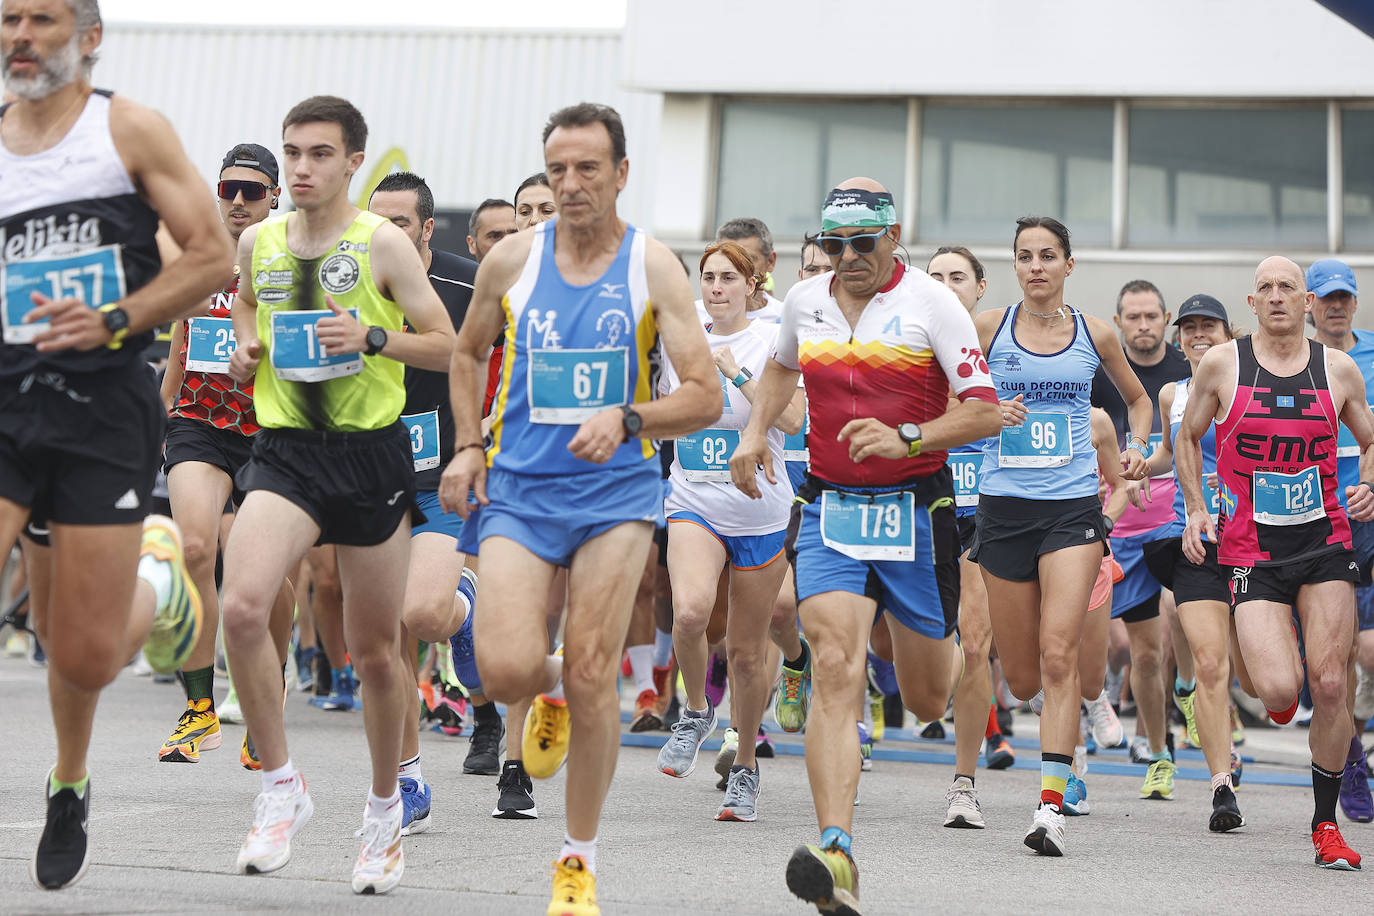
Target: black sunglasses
251 190
834 245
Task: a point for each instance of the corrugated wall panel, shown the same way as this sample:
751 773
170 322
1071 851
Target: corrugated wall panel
467 107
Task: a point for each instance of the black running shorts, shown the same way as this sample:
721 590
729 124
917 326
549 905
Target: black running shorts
196 440
1012 533
356 486
81 448
1281 583
1188 581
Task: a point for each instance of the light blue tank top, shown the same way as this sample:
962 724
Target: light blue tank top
571 352
1208 445
1041 461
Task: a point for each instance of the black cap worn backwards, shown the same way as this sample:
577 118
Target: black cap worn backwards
1204 305
252 156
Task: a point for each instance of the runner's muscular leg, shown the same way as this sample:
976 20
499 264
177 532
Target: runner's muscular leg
746 638
1066 578
1264 632
1014 612
695 561
1327 611
510 635
924 668
973 696
198 492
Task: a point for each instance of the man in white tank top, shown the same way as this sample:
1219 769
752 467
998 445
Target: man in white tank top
82 425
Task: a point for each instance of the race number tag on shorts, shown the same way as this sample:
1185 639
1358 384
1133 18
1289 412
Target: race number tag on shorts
865 527
1043 441
96 277
794 446
424 438
705 455
965 466
1288 499
296 352
209 344
570 386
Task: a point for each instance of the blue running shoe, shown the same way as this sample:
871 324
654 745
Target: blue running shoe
415 804
464 655
1076 797
305 669
343 691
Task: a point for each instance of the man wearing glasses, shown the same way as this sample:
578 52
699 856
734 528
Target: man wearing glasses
209 434
880 346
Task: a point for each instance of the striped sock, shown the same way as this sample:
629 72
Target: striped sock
1054 775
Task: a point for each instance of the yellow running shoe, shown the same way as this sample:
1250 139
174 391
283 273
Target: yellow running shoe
197 730
574 889
548 726
176 627
1159 780
826 877
1188 706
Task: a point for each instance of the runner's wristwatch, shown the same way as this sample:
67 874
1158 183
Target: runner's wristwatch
631 420
910 433
117 323
376 339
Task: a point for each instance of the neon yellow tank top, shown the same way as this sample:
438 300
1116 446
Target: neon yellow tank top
346 398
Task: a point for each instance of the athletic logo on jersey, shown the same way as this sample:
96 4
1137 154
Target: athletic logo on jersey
1283 400
1240 581
273 296
973 361
894 326
817 315
345 245
551 339
1012 362
50 236
611 291
128 501
613 323
339 273
1088 533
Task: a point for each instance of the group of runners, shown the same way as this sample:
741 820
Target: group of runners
870 475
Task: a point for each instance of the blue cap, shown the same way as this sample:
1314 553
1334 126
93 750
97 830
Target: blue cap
1329 275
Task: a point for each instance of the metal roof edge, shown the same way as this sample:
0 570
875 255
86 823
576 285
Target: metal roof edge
298 28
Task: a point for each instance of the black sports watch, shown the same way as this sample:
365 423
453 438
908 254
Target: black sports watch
376 339
117 323
631 420
910 433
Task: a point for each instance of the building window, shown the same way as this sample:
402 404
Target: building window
1357 159
983 166
777 159
1227 177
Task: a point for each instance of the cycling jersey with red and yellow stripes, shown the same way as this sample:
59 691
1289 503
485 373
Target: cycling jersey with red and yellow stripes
913 343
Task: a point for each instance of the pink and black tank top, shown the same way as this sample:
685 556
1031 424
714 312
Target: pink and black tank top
1276 460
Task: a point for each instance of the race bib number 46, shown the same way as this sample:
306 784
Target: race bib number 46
965 467
1043 441
209 344
705 455
298 356
880 527
95 277
567 387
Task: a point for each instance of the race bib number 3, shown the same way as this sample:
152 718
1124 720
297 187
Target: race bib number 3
424 438
297 355
880 527
567 387
95 277
706 455
965 466
209 344
1288 499
1043 441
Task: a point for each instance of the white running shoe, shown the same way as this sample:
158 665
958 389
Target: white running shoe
381 861
963 810
1107 730
277 816
1046 834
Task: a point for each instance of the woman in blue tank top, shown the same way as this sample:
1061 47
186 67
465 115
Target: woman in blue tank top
1201 590
1040 531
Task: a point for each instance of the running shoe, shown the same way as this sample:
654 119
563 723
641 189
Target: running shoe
961 805
248 755
63 853
1046 834
305 669
17 645
450 705
485 747
1225 811
865 749
998 753
1355 798
1188 706
1140 749
574 889
381 860
664 689
277 815
826 877
342 691
725 757
717 675
679 755
1085 729
230 711
1105 725
197 730
515 800
548 726
763 745
741 796
1332 851
416 799
1159 780
1076 797
176 626
934 731
1237 768
646 712
794 697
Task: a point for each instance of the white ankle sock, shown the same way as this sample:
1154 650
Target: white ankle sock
584 848
663 647
642 665
158 574
381 807
410 769
557 692
279 778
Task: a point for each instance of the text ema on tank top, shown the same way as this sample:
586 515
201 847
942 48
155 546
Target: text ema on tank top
98 247
572 351
1051 455
1276 460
